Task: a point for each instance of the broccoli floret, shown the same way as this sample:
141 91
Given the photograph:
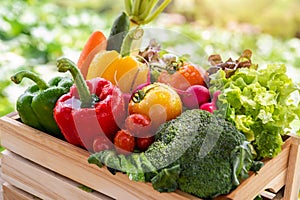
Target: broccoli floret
202 144
210 155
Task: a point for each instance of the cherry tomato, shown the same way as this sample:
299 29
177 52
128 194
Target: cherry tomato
138 124
144 143
102 143
157 101
184 77
124 142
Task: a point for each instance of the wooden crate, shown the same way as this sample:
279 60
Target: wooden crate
36 164
12 193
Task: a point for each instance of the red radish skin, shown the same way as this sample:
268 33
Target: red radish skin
210 107
215 96
195 96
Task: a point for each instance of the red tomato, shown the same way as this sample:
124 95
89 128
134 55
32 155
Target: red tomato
183 78
102 143
138 124
144 143
124 142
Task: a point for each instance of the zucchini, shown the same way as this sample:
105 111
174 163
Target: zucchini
118 32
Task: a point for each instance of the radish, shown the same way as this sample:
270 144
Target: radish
215 96
194 96
211 106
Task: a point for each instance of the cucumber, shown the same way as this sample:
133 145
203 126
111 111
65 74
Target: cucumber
118 32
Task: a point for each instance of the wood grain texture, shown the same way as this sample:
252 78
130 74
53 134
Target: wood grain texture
12 193
41 182
293 172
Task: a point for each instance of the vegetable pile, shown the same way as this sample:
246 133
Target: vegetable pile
206 158
158 117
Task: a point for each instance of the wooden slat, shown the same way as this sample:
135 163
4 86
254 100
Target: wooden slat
267 195
71 161
277 183
41 182
12 193
293 172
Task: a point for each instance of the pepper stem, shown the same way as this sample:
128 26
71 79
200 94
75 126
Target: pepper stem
64 65
18 77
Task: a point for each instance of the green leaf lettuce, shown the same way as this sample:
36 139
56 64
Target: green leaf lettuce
260 103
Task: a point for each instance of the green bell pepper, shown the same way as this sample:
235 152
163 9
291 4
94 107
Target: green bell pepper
35 106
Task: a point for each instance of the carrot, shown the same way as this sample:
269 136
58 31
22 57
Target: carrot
95 43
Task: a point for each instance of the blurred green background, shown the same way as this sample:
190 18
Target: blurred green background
34 33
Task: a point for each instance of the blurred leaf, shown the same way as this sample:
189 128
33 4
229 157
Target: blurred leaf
5 106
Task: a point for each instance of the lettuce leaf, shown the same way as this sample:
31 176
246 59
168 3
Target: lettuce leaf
260 103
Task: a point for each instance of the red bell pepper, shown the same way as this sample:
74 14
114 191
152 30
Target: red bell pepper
91 108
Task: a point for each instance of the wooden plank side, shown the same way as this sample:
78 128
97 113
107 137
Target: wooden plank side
41 182
71 161
293 171
12 193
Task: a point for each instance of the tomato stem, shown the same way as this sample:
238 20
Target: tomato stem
139 95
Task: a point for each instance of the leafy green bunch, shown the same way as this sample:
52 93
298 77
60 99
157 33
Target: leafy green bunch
262 103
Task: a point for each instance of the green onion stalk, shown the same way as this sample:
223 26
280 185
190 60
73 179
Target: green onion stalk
139 12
